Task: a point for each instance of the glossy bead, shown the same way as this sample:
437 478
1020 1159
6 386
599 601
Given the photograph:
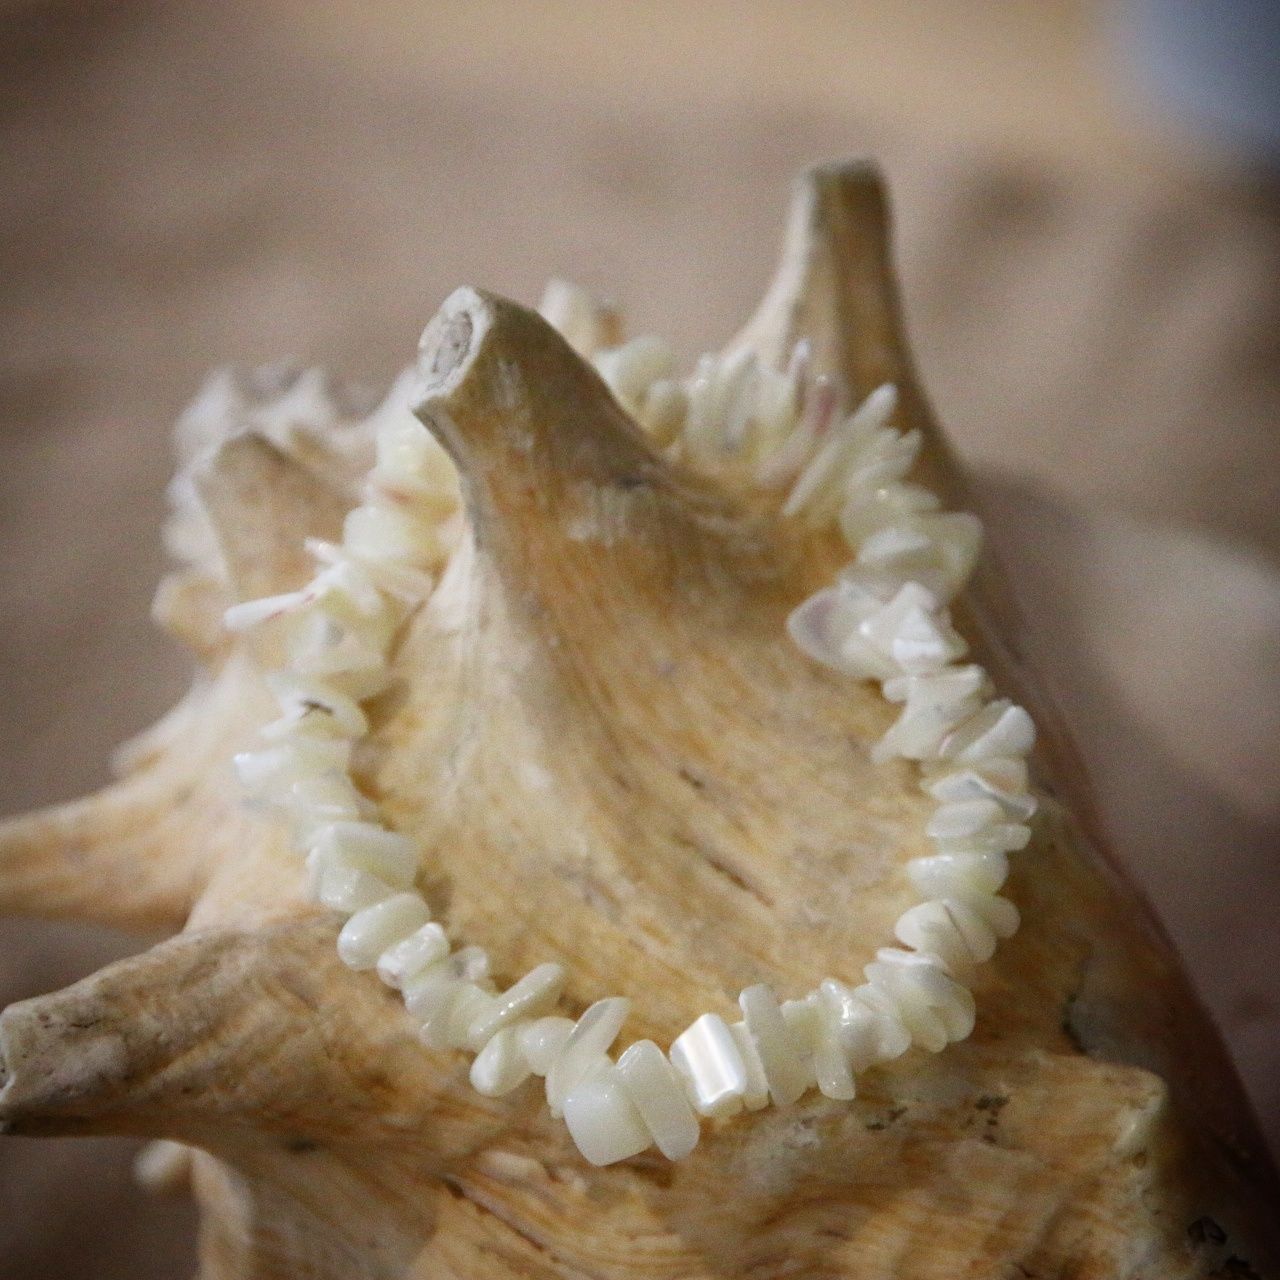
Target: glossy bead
413 955
588 1042
370 932
785 1069
603 1121
659 1096
534 994
708 1058
542 1040
501 1065
387 854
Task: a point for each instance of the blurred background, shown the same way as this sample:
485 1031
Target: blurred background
1089 236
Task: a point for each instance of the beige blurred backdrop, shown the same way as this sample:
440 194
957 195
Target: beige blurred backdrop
1094 299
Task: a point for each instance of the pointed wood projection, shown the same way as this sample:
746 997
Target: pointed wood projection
612 756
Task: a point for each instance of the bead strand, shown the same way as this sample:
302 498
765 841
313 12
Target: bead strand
885 619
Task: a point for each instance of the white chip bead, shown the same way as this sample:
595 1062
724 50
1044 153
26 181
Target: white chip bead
587 1043
866 511
448 996
534 994
446 1027
277 767
949 928
347 589
326 649
317 803
978 820
824 475
253 613
542 1040
913 632
883 459
937 550
963 818
825 628
864 1026
348 889
410 458
500 1066
384 588
370 932
999 729
425 991
585 323
832 1065
785 1068
391 533
309 723
755 1093
1002 779
949 874
664 411
603 1122
297 694
631 369
708 1058
413 955
932 1005
934 706
652 1084
999 913
1006 838
391 856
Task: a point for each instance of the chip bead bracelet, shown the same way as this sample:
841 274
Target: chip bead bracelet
885 618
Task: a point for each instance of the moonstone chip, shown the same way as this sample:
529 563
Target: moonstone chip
715 1074
659 1096
370 932
785 1069
602 1120
588 1042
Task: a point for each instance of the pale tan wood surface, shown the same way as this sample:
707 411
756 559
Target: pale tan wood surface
1096 325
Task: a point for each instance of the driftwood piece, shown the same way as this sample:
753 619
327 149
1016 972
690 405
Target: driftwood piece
613 755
